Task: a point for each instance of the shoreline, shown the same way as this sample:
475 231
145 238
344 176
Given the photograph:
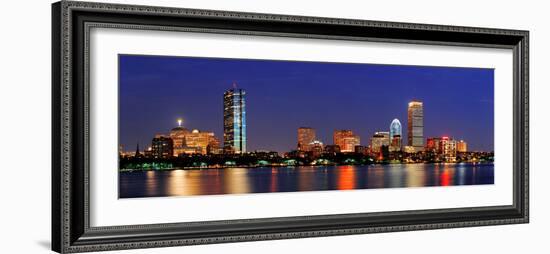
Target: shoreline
297 166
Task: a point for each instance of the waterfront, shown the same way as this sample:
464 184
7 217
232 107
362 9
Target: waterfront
179 182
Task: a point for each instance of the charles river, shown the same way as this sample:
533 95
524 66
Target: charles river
179 182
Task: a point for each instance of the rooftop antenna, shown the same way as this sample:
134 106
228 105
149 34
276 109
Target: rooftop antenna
234 85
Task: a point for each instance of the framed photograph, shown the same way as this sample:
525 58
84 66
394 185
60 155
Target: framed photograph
181 126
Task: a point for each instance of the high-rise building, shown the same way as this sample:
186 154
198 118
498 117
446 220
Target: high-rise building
461 146
379 139
306 136
415 125
234 121
448 149
346 140
395 136
162 147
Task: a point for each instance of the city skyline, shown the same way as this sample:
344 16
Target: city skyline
282 131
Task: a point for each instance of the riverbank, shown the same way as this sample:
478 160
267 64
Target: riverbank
298 166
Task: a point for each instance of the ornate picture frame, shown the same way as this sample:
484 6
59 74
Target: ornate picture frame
71 229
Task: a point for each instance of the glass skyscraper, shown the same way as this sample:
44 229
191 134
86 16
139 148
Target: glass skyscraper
395 135
395 128
415 125
234 121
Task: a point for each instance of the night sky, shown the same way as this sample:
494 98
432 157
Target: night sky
284 95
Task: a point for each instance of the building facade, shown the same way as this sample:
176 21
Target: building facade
448 149
395 135
433 145
415 125
214 146
395 143
199 140
461 146
234 121
379 139
316 148
177 135
192 142
346 140
306 136
162 147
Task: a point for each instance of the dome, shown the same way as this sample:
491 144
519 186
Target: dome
179 131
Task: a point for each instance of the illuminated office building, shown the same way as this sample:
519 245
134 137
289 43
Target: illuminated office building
192 142
199 141
234 121
433 145
213 146
316 148
306 136
177 135
395 136
379 139
395 143
162 147
415 125
346 140
461 146
448 149
408 149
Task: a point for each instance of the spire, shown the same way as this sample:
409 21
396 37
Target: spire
137 150
180 121
234 85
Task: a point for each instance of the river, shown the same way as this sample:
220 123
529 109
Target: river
178 182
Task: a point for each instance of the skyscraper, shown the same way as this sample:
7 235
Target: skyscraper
234 121
346 140
415 125
395 135
395 128
306 136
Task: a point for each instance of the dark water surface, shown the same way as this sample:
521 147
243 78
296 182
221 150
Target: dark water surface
303 178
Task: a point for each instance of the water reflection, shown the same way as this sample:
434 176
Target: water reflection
289 179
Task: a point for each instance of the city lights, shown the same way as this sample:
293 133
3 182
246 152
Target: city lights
185 146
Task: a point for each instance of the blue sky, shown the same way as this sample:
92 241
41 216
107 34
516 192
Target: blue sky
284 95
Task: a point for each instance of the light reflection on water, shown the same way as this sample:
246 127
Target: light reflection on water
307 178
